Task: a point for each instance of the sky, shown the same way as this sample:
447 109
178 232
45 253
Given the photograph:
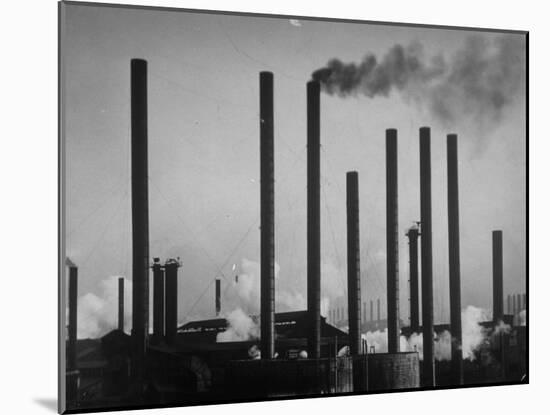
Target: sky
204 155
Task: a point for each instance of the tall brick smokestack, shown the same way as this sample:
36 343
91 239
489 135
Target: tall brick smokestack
392 245
73 311
267 213
428 374
498 293
171 292
454 261
158 302
412 234
121 304
140 218
218 298
314 219
354 268
354 281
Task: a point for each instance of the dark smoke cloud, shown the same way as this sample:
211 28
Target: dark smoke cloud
479 80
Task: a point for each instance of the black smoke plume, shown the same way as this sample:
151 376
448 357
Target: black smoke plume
480 80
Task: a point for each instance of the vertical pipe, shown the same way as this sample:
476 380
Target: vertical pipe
313 218
267 213
392 245
497 277
524 301
428 373
519 303
364 309
378 310
218 297
412 234
158 302
121 304
73 294
140 218
514 307
454 260
509 311
354 274
171 303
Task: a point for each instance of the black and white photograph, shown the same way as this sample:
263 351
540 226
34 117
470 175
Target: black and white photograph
262 207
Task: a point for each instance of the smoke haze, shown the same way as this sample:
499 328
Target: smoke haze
98 314
473 337
478 82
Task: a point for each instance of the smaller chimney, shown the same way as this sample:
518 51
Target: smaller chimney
497 277
412 234
73 293
514 307
171 271
378 310
519 303
158 301
509 304
121 304
218 295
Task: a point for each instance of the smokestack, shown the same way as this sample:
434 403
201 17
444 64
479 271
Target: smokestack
510 304
412 234
378 310
364 309
267 212
514 308
519 302
140 218
171 276
218 298
392 246
428 373
313 219
454 260
497 277
121 304
73 294
524 301
371 311
158 302
354 268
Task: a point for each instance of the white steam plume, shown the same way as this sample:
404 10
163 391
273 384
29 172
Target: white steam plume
98 314
240 328
473 336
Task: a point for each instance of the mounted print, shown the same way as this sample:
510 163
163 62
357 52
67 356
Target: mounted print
258 207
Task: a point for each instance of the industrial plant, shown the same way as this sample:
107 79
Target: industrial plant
306 352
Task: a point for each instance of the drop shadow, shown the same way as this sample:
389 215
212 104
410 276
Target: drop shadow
48 403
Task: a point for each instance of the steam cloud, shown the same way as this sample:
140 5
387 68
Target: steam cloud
474 335
240 328
479 81
98 314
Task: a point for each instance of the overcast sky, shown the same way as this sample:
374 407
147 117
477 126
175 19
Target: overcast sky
204 154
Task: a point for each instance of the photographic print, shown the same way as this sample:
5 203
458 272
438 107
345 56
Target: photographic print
259 207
